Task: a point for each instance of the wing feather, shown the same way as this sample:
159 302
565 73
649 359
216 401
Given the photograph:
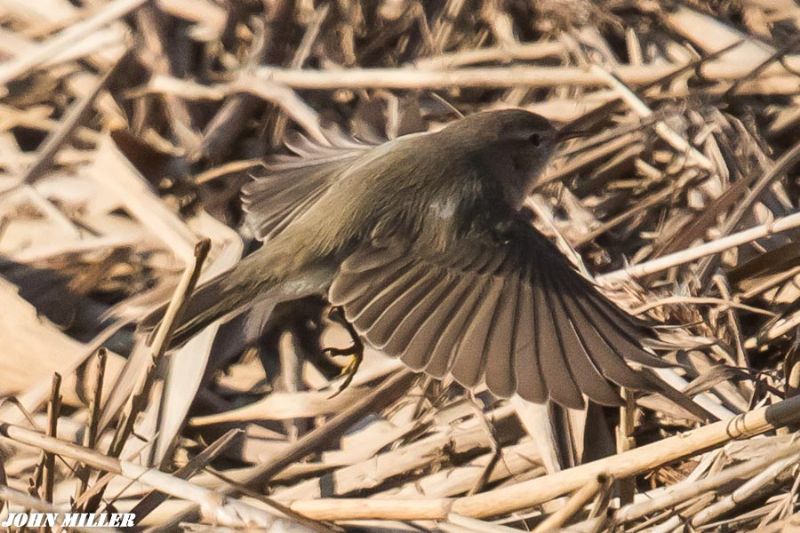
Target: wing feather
413 324
589 378
290 185
501 339
389 291
269 223
603 355
469 361
621 331
612 325
502 308
403 305
419 352
557 376
447 344
350 285
530 378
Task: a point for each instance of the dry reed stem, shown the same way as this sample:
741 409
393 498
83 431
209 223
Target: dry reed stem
373 471
776 330
514 461
383 395
90 437
746 491
77 113
280 95
709 248
626 441
575 503
691 488
724 304
224 511
503 53
203 12
25 62
286 405
49 462
158 348
26 501
14 44
154 498
511 76
669 135
529 493
466 524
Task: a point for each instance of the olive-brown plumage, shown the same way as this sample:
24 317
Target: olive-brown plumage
422 242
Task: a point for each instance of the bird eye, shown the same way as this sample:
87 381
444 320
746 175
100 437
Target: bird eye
535 139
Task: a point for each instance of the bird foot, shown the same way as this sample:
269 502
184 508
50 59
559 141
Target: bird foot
355 350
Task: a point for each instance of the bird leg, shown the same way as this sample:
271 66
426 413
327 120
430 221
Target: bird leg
356 350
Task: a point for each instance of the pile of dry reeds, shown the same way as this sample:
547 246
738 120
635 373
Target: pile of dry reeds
127 128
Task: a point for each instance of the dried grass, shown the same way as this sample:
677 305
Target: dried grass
127 128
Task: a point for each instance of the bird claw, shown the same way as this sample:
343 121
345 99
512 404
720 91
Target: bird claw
350 369
356 350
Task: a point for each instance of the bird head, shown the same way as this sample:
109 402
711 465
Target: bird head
512 145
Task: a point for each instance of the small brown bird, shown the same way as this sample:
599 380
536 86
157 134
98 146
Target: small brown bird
423 243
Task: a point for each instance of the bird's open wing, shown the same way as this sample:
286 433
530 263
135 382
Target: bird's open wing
509 310
291 184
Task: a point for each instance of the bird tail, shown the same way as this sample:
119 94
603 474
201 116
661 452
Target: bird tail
224 296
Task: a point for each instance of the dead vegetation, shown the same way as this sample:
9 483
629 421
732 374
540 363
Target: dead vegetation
127 128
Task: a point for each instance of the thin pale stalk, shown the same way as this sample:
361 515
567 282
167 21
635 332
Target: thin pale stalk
575 503
713 247
224 511
536 491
